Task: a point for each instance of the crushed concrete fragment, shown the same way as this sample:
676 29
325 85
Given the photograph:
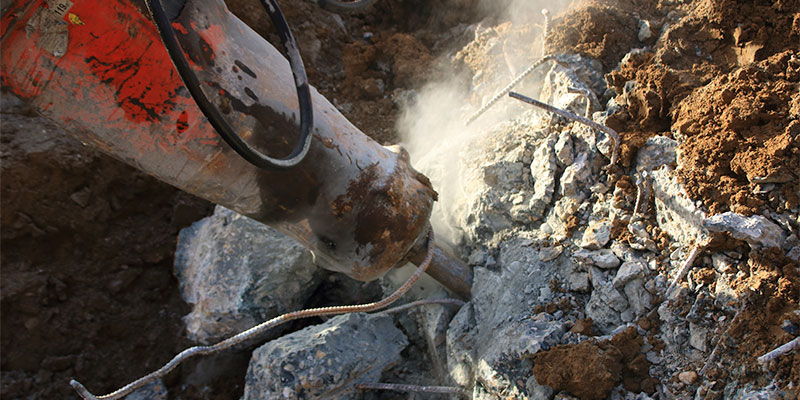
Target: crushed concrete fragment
644 30
676 213
575 176
564 149
324 361
606 302
603 258
657 151
698 336
597 235
756 230
627 272
543 171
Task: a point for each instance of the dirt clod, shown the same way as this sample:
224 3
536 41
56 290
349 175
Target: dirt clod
590 369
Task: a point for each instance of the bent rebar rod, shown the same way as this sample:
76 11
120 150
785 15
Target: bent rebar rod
400 387
566 114
258 330
510 86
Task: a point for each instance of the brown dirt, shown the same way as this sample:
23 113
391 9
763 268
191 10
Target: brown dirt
594 29
590 369
87 288
738 132
730 95
771 291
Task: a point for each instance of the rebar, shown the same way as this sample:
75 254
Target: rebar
586 95
412 388
425 302
783 349
545 30
684 269
260 329
577 118
510 86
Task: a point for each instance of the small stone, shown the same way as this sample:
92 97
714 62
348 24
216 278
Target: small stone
644 30
603 258
697 336
597 235
82 197
564 149
629 271
550 253
688 377
756 230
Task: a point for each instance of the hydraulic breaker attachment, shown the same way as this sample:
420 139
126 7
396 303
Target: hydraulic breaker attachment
99 69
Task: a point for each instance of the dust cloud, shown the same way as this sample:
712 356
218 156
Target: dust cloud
433 127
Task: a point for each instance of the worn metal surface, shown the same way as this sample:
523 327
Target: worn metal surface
448 270
358 205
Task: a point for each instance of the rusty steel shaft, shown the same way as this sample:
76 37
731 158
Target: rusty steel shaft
99 70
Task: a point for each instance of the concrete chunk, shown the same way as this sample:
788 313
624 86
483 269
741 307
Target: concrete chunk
325 361
756 230
676 213
236 272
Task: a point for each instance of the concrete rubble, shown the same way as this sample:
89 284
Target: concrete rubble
553 240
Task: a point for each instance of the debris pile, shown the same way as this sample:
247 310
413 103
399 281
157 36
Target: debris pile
597 280
668 274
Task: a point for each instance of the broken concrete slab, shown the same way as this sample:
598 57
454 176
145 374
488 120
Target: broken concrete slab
236 272
676 213
325 361
756 230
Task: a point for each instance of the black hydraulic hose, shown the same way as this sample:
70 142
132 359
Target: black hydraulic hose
211 112
344 7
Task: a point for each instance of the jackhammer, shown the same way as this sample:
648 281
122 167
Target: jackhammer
199 99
